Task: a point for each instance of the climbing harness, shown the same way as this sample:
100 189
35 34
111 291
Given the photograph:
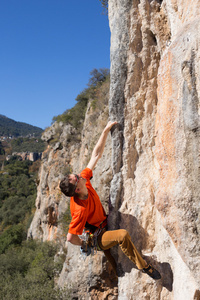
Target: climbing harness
90 238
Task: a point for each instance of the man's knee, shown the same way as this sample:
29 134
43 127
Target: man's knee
124 235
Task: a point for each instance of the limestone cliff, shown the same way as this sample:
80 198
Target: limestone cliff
155 82
152 182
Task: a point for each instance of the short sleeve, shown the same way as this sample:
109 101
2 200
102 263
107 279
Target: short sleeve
87 173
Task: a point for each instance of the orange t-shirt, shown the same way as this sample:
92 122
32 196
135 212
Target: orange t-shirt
89 210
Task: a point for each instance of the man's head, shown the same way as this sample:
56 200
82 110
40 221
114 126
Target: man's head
68 184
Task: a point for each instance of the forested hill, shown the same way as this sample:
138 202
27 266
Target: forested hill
9 127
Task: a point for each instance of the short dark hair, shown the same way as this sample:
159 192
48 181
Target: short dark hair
67 187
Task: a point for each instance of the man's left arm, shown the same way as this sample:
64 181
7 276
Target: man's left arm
74 239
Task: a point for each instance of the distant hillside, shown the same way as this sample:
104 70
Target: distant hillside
9 127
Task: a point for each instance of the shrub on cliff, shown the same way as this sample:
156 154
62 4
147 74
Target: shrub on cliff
98 77
76 115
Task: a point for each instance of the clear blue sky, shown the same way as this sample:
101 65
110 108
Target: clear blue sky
47 50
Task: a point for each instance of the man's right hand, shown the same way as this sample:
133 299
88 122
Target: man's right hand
110 125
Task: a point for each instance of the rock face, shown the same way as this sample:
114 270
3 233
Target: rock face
151 186
155 82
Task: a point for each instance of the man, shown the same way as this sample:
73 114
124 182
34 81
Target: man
87 212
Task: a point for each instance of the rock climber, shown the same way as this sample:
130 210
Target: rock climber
88 214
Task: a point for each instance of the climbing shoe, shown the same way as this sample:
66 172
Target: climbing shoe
153 273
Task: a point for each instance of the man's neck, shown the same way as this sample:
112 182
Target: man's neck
83 194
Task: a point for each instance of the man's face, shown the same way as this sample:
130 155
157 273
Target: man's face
73 178
77 180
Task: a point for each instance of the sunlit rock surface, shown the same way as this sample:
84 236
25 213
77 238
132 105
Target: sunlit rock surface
155 79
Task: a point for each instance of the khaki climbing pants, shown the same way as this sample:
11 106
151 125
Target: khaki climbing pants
120 237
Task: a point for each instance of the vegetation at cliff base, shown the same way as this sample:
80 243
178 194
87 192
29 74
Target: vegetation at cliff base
17 199
28 268
29 271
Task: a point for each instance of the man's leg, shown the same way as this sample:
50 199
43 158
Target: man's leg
111 259
122 237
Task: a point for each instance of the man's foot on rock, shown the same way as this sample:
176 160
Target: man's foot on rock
153 273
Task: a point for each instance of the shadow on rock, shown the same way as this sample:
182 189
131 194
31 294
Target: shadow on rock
137 233
140 237
165 271
108 276
167 276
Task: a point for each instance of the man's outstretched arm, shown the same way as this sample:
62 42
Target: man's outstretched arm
99 148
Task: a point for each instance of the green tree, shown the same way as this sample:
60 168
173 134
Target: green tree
11 236
17 194
98 76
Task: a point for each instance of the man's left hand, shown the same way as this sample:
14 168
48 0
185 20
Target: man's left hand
85 248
